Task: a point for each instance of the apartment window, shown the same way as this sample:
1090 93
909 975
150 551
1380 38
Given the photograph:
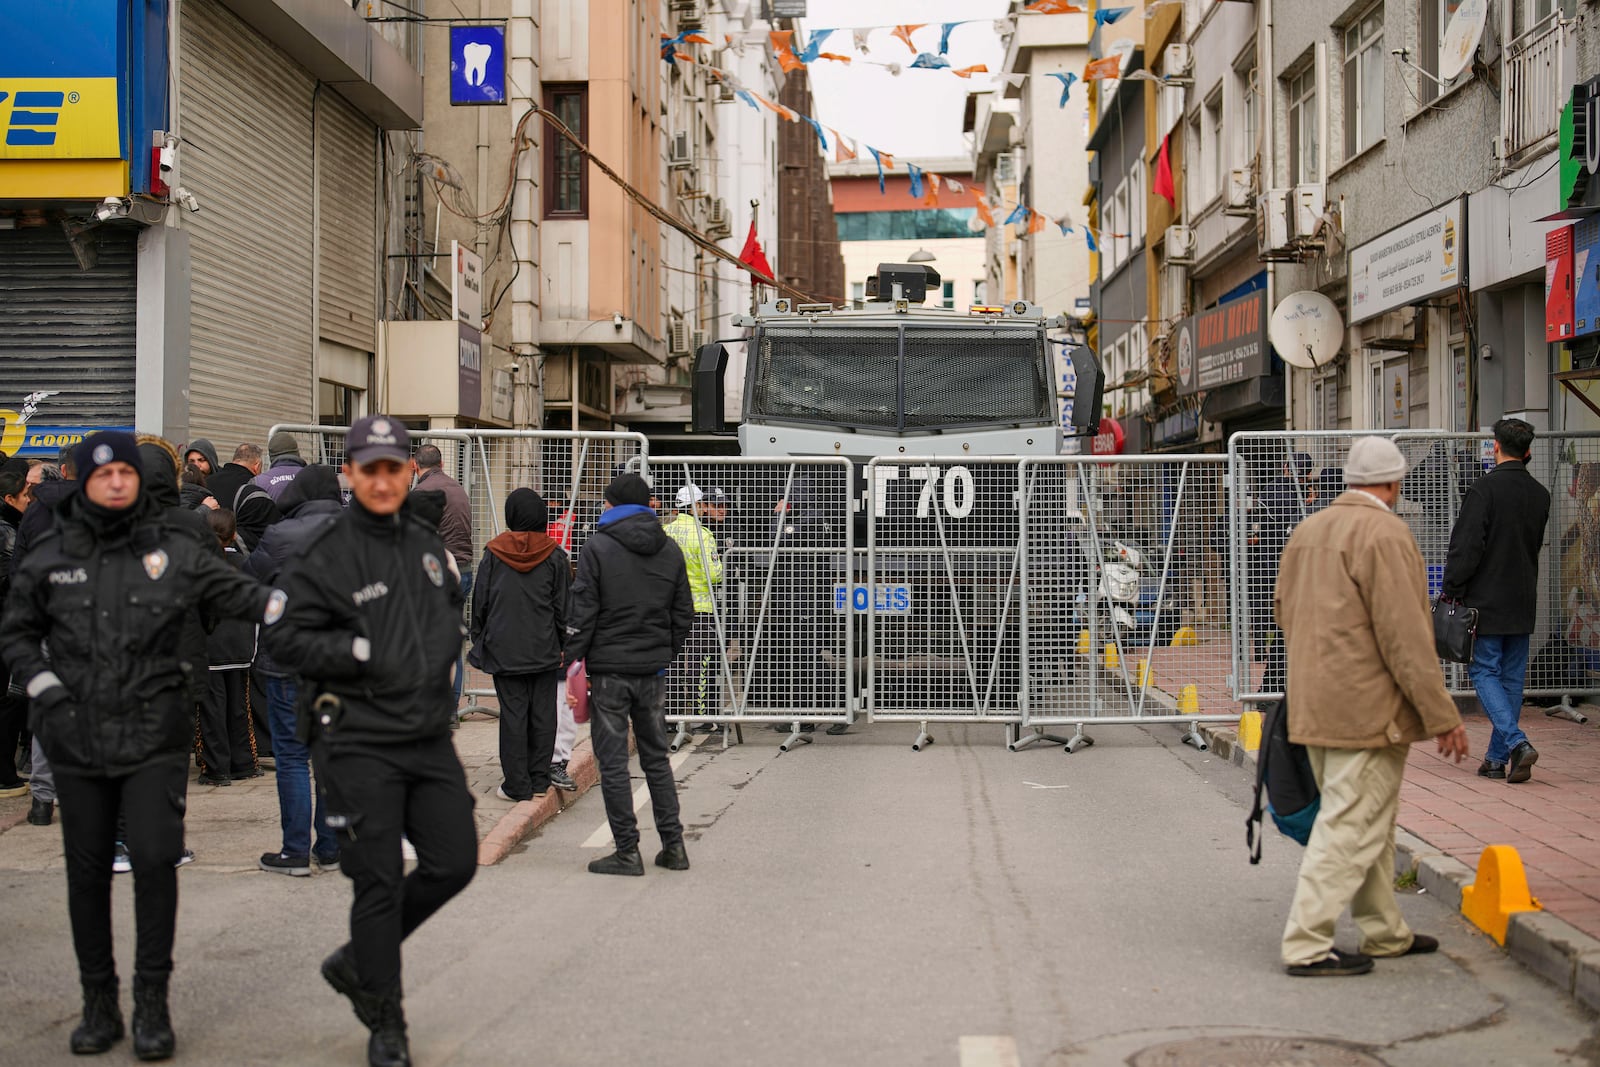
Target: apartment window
1325 403
948 295
1245 93
1195 193
338 404
1005 168
1363 82
566 174
1215 139
1119 236
1305 128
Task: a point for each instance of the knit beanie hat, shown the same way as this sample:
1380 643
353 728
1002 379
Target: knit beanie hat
526 511
282 443
1374 461
628 489
107 446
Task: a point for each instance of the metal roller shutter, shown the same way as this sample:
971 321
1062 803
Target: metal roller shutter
247 111
347 180
67 329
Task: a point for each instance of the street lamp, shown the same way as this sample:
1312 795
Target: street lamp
921 255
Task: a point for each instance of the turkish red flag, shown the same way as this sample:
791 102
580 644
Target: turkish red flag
1163 185
753 257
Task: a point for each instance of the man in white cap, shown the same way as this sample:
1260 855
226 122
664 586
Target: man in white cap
692 680
1364 683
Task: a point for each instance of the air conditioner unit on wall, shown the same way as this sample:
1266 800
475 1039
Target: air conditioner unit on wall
1177 60
691 14
717 217
1272 221
1241 192
1180 244
679 152
1394 330
1306 210
679 337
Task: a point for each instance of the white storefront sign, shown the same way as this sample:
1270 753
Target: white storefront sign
1410 263
466 288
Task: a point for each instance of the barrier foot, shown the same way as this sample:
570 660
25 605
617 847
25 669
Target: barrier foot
1078 740
923 740
476 707
1016 740
838 728
795 738
679 739
1191 736
1566 710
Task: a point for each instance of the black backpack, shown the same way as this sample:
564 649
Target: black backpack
1284 780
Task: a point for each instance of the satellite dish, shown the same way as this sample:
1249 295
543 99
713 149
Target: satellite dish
1306 329
1461 37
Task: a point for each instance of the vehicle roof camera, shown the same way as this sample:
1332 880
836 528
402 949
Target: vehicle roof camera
913 279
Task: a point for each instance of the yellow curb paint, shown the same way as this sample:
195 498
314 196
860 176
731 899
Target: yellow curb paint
1112 660
1250 731
1189 700
1142 675
1083 642
1500 891
1185 637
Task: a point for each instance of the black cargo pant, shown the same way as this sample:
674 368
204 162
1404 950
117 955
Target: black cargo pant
527 730
374 794
615 700
692 678
151 802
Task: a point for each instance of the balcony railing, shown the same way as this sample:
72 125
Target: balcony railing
1535 84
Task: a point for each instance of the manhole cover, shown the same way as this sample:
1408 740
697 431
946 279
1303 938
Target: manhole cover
1253 1052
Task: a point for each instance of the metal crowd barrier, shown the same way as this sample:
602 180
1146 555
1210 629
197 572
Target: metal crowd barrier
1124 566
778 645
1277 479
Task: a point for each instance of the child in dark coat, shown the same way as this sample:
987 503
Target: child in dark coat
519 624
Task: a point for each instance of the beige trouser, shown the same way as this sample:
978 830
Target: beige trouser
1350 857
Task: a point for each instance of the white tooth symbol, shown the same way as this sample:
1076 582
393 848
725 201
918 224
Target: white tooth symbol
477 59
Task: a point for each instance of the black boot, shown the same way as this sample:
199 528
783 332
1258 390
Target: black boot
673 857
622 861
102 1019
339 971
387 1045
152 1028
41 812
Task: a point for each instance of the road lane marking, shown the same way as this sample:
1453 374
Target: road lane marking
989 1051
601 838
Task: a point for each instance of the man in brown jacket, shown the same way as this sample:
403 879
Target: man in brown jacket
1364 683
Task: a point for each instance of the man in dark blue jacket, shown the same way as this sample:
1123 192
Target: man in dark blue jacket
1493 566
311 502
372 627
631 614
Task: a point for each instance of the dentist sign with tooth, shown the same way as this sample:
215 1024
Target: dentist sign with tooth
477 65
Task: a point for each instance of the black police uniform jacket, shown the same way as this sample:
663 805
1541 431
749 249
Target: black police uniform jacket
383 578
110 596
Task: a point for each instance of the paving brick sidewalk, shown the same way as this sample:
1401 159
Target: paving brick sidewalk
1552 820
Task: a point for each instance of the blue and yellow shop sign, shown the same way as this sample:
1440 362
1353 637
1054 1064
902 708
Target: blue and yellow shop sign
61 99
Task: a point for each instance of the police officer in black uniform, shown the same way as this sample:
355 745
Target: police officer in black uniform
373 626
108 589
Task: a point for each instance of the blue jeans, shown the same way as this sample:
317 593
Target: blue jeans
461 657
1499 667
295 811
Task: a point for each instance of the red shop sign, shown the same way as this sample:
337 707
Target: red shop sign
1110 440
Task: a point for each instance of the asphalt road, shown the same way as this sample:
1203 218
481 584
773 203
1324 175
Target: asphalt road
851 902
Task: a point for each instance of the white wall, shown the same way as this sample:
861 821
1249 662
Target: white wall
957 259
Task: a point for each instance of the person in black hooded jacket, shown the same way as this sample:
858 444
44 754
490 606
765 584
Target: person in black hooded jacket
233 487
631 614
111 705
310 504
519 620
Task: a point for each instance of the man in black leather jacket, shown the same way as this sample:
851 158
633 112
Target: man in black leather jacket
631 614
107 588
372 627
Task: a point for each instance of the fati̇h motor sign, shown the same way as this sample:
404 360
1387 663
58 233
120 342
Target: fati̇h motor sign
1224 345
82 82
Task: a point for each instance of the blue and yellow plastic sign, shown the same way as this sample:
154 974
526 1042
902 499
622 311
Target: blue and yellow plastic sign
477 65
64 97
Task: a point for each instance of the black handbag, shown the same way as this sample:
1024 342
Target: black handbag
1455 627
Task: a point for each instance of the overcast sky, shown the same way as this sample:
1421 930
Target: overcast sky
917 114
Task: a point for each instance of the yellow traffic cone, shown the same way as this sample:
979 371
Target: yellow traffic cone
1112 660
1501 890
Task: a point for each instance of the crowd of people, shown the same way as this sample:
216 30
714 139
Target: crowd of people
172 619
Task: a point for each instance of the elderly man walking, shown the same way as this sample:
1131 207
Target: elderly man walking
1364 683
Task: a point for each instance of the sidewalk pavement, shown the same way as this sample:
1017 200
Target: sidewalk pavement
1448 815
229 827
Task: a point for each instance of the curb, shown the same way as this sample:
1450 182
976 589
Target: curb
526 817
1545 944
